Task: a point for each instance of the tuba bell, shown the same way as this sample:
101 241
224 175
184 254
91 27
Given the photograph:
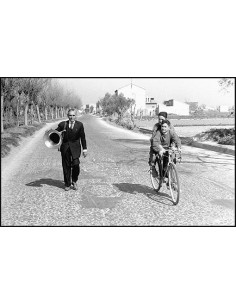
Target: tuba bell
53 138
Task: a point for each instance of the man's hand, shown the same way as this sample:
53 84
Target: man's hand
161 152
85 153
173 147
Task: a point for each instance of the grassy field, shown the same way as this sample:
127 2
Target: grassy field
225 136
12 136
189 122
202 130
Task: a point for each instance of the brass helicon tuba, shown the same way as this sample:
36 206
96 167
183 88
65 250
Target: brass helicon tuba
53 138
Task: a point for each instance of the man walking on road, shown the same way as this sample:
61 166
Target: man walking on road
73 138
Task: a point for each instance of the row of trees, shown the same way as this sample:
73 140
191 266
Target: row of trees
24 100
116 104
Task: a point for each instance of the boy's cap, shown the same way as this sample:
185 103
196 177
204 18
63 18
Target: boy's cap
164 114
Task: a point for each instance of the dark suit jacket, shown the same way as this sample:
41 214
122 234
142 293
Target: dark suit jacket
72 138
165 140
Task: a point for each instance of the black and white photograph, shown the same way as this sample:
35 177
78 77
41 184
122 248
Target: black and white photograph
118 151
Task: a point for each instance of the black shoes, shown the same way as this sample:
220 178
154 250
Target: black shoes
74 186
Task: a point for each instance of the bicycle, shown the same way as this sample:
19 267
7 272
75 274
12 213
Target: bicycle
158 178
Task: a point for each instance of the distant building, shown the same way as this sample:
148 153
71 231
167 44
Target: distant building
173 107
87 108
150 109
149 100
147 106
137 93
223 108
193 106
209 108
150 106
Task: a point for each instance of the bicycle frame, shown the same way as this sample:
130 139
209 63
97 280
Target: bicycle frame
171 155
170 172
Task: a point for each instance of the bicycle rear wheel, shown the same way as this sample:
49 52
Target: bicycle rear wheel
174 183
155 174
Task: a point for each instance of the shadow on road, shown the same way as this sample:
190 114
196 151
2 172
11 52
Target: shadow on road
48 181
130 188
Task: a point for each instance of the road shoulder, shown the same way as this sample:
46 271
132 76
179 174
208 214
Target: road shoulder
12 161
209 145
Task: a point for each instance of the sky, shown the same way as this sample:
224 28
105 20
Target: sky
202 90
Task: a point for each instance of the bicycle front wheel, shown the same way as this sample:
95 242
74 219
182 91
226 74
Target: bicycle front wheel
174 183
155 174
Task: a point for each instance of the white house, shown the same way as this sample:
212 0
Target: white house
173 107
134 92
223 108
150 108
209 108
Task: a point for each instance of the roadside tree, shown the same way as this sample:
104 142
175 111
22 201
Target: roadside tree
7 95
226 83
91 109
121 105
31 98
107 104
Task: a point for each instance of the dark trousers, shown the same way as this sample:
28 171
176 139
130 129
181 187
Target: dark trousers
152 158
67 164
165 163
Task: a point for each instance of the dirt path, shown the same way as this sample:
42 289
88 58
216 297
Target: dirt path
114 186
17 154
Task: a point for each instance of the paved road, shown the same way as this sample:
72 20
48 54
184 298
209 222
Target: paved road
114 185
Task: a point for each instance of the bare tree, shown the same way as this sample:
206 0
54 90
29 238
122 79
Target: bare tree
38 86
35 95
44 96
226 84
7 94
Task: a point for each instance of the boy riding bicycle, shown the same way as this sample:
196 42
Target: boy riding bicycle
162 116
164 138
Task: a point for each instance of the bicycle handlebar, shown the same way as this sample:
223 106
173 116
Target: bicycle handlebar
173 150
